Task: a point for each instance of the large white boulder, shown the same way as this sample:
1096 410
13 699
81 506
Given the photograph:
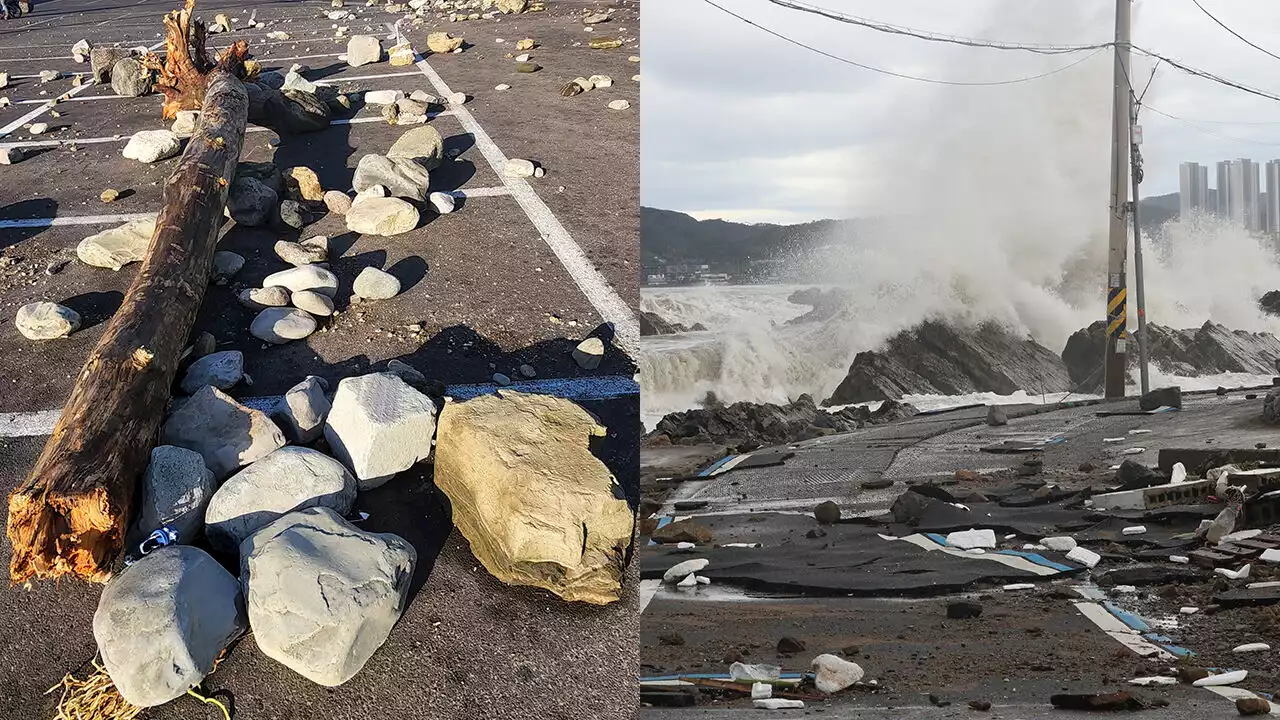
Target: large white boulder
378 426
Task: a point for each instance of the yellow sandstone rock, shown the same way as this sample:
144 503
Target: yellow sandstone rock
443 42
537 507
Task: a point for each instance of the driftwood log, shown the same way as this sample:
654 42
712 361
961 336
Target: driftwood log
71 514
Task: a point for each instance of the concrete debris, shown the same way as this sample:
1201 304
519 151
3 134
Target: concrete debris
1240 574
1178 475
1153 681
833 674
81 50
289 479
1059 544
162 622
1085 557
760 691
968 539
227 434
778 704
46 321
323 595
1134 530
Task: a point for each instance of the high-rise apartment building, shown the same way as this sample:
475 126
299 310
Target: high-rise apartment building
1193 188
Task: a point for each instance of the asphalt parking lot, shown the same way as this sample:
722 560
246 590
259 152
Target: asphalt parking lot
519 273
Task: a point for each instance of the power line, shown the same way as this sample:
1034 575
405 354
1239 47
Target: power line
1233 32
1207 75
1046 49
891 73
1207 131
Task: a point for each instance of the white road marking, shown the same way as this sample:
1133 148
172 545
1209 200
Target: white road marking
593 285
72 99
337 80
250 129
4 131
465 193
603 387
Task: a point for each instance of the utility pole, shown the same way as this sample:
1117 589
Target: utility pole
1136 165
1121 115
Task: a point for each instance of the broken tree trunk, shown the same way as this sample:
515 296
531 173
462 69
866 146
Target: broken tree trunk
70 515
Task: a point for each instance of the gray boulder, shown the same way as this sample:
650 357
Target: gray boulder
221 370
290 215
280 325
302 410
129 78
176 487
46 321
267 173
259 298
363 50
291 478
162 622
313 302
102 60
401 177
150 146
375 284
309 251
322 595
304 112
305 277
250 201
118 246
385 216
422 144
337 201
227 263
379 426
227 435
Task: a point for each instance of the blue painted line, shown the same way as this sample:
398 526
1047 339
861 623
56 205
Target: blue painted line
940 539
1038 559
1127 617
600 387
1157 637
1055 441
1179 651
712 468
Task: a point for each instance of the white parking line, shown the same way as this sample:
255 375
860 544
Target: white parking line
334 81
464 193
593 285
603 387
4 131
250 129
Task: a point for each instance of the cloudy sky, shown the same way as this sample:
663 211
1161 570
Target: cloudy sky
741 125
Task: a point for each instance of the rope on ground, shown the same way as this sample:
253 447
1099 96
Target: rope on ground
212 701
94 698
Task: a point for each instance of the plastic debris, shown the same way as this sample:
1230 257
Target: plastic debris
1135 530
1019 586
1227 678
1180 559
1085 557
1189 610
755 673
1240 574
1178 474
1151 681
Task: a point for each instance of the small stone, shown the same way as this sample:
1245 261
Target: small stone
313 302
4 79
383 97
227 434
501 379
46 321
442 202
528 371
833 673
375 284
589 353
790 646
1253 706
186 122
424 97
109 195
308 252
220 369
305 277
49 75
458 98
443 42
525 44
226 263
337 202
682 570
293 80
363 50
287 480
391 113
203 345
12 155
594 18
302 183
528 67
1059 544
261 298
290 214
517 167
409 111
383 216
40 129
827 513
619 105
280 325
422 144
163 621
379 426
601 81
502 86
302 410
539 172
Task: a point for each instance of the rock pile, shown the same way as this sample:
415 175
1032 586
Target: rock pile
748 425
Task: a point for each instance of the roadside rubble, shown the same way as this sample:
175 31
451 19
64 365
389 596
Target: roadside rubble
1178 563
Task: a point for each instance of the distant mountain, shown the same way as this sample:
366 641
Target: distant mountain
678 238
1157 210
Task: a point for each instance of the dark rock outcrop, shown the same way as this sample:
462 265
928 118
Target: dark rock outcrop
935 358
748 425
826 304
1270 303
1208 350
654 324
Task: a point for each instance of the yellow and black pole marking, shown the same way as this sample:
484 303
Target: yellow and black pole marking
1116 313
